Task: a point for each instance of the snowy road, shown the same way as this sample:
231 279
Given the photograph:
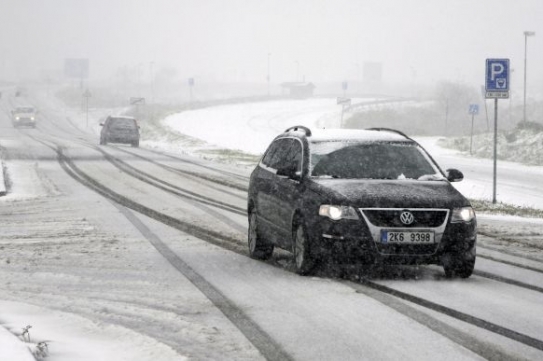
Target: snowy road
117 253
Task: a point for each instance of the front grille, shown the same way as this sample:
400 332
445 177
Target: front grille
424 218
389 219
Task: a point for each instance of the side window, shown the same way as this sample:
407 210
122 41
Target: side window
283 153
276 153
269 154
278 157
292 155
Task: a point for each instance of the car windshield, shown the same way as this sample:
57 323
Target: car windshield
25 110
341 159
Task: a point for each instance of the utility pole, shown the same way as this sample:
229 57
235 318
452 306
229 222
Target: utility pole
268 76
87 95
526 34
151 65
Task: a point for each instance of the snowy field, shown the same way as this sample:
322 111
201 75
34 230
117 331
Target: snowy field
250 127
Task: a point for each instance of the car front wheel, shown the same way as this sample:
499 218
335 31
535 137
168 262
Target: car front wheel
460 265
302 256
258 249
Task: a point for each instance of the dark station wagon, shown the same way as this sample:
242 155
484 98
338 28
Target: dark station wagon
370 196
120 130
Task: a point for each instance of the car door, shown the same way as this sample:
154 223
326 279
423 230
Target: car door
264 186
103 132
288 190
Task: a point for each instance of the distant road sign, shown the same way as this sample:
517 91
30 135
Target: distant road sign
137 100
473 109
76 68
497 78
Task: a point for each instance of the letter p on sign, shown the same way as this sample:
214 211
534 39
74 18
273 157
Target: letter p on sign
497 69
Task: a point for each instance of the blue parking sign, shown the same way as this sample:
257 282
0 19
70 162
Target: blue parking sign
497 78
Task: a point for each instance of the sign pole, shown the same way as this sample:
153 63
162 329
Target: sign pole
495 150
473 110
345 102
471 138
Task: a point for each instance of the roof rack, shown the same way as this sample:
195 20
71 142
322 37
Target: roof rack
390 130
300 127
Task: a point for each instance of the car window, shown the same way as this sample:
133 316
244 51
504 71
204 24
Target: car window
25 110
122 123
370 161
278 153
269 154
292 155
278 158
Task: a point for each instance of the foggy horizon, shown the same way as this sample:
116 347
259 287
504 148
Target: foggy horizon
417 42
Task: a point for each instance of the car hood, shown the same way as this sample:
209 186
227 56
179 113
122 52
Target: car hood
389 193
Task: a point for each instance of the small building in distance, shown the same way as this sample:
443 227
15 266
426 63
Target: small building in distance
298 89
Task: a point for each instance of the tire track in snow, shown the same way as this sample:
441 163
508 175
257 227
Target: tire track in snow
258 337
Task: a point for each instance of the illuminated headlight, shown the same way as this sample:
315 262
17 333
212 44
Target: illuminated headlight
17 118
336 213
465 214
31 118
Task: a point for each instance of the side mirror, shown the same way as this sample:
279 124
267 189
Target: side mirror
454 175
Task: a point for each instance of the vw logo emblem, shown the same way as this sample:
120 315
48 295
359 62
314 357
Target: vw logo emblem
407 218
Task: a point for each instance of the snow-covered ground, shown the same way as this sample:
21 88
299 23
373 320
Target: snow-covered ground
248 127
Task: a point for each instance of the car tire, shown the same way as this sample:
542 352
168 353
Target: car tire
460 265
258 248
303 258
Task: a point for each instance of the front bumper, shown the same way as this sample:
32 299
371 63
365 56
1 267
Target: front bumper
354 242
24 121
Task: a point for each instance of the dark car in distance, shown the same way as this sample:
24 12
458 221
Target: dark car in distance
370 196
120 129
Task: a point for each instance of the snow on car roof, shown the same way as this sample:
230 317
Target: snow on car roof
355 134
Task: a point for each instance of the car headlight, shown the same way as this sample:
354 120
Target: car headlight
464 214
336 213
17 118
31 118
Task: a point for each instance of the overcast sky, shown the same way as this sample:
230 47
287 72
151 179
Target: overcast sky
415 40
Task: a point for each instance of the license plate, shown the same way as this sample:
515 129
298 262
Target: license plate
407 237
